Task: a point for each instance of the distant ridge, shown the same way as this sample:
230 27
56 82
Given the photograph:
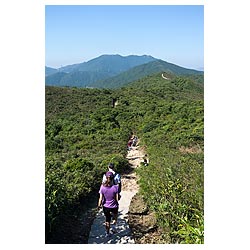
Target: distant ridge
50 71
111 71
111 64
143 70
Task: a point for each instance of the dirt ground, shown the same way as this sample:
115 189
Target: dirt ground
143 225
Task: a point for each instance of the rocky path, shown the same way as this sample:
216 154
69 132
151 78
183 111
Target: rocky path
129 189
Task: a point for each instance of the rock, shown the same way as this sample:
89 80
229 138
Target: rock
142 223
141 220
138 206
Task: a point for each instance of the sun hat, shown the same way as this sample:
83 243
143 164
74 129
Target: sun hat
109 174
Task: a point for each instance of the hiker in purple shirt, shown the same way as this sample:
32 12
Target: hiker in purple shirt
109 201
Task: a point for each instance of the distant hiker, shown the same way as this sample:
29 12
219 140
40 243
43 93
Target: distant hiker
130 144
116 179
113 102
109 201
134 141
145 160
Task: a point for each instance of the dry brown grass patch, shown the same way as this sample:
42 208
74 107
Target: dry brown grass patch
191 150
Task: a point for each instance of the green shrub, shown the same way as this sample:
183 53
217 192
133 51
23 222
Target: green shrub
84 133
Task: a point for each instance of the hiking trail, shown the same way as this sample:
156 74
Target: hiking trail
129 189
164 77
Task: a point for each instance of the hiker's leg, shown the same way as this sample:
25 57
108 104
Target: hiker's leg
115 215
115 218
108 218
114 224
107 225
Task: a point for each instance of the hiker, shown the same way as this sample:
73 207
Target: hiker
134 141
117 177
109 201
145 160
130 144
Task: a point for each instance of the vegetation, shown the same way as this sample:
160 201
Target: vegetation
141 71
50 71
84 132
100 68
111 71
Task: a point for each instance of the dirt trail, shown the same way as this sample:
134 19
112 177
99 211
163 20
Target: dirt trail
166 78
129 189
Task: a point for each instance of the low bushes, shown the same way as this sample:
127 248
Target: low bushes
84 133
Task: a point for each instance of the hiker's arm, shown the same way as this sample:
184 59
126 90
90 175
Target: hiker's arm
117 197
100 201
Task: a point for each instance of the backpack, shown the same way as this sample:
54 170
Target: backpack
117 181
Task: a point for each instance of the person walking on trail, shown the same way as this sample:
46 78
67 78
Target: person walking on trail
117 177
134 141
109 201
145 160
130 144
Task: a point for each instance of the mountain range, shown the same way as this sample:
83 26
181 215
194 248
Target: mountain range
111 71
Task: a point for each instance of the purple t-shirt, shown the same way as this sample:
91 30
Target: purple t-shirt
109 196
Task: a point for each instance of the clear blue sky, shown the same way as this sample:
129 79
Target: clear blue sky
78 33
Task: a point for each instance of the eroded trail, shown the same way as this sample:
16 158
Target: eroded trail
129 189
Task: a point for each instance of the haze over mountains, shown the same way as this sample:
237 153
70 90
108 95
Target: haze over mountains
111 71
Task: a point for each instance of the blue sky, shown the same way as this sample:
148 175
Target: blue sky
78 33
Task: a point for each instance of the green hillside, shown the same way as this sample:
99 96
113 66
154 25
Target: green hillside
84 132
50 71
78 78
141 71
55 78
112 71
111 64
100 68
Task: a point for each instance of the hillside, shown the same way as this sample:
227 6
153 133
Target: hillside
84 132
112 71
81 79
111 64
143 70
102 67
56 77
50 71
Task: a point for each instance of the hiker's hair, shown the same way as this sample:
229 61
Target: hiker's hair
108 182
111 165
